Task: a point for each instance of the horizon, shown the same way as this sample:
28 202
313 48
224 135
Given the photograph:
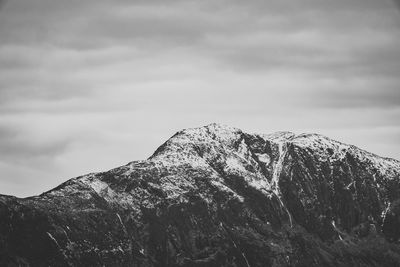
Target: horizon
87 86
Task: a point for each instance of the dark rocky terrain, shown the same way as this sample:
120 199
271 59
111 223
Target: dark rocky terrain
216 196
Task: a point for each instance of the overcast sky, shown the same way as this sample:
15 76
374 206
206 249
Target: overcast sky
90 85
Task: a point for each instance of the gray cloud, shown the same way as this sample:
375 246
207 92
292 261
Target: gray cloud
397 3
357 95
17 146
86 86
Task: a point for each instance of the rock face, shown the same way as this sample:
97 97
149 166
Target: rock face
216 196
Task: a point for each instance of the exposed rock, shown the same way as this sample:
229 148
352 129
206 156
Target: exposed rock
216 196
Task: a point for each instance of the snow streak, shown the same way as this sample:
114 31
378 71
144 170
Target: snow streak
282 145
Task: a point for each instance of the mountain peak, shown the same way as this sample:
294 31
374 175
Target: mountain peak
217 196
216 129
223 137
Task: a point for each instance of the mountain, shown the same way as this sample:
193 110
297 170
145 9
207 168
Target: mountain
217 196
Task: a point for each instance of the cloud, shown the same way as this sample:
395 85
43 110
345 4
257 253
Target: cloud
397 3
360 93
19 147
86 86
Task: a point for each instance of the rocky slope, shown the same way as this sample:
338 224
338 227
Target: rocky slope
216 196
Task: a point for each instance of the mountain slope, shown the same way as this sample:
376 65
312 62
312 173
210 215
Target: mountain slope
216 196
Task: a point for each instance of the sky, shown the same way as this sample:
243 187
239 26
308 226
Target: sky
86 86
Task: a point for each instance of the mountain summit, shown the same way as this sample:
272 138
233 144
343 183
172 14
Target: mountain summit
217 196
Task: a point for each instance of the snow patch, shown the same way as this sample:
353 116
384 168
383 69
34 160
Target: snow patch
264 158
384 213
336 229
233 164
278 168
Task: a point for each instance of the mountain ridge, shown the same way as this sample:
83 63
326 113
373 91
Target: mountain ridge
217 196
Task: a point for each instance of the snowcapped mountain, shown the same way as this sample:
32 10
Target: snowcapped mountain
217 196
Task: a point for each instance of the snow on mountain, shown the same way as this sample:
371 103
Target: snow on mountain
217 196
